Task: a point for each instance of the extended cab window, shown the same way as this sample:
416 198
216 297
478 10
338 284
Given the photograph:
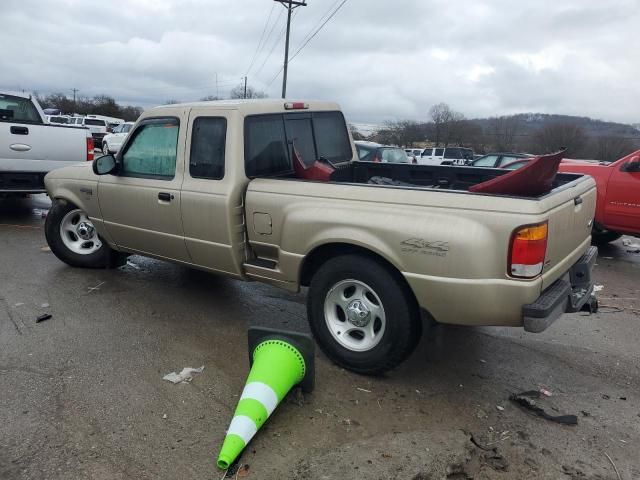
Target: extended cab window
152 151
18 109
207 148
438 152
331 135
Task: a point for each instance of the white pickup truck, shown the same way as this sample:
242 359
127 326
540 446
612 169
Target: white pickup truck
30 147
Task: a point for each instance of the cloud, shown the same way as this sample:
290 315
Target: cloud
380 60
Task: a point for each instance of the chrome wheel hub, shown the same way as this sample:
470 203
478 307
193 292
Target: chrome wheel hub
78 233
354 315
358 313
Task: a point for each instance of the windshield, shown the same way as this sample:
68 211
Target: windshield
18 109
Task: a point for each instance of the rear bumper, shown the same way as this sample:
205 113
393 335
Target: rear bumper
22 182
568 294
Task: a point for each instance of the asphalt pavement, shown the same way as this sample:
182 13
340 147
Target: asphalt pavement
82 395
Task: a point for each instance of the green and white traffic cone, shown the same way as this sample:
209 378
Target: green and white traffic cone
280 360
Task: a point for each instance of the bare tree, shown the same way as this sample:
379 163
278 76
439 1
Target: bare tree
502 132
441 115
171 101
555 136
238 92
609 149
210 98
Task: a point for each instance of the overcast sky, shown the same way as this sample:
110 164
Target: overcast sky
380 59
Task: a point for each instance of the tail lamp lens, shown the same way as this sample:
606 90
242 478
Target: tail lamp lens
527 250
89 149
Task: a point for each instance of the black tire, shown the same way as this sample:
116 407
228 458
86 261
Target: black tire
105 148
104 257
603 237
403 326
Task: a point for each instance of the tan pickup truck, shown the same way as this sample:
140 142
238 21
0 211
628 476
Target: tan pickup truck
212 186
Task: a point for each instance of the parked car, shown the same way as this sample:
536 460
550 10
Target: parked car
214 186
98 128
375 152
59 119
499 160
618 206
446 156
30 146
112 141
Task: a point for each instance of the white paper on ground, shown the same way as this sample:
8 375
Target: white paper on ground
186 375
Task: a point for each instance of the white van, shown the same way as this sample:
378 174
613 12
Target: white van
446 156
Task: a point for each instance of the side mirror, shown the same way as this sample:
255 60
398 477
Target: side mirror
104 165
632 165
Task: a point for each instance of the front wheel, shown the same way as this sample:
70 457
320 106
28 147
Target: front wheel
73 238
362 314
105 148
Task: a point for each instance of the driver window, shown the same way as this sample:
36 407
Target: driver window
152 152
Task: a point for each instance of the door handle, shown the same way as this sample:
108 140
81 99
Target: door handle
19 130
165 197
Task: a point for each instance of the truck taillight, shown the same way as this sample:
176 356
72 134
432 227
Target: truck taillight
89 149
527 250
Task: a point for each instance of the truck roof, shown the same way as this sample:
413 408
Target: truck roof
253 106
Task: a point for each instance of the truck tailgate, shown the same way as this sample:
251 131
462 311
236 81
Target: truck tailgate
570 214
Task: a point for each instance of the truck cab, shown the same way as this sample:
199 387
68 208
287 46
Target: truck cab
618 205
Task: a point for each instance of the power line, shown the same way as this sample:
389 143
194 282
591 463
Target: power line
318 30
260 44
273 47
304 44
319 21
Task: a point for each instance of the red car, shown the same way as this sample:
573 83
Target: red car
618 205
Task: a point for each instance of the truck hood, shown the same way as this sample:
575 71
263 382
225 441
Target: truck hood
79 171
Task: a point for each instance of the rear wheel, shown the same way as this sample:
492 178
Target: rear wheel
602 237
73 238
362 315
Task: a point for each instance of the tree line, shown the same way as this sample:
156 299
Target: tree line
514 133
106 105
97 105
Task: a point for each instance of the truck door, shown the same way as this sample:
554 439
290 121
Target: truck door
212 195
141 204
622 205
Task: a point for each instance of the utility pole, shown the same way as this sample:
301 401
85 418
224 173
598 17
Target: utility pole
245 87
74 90
217 91
290 5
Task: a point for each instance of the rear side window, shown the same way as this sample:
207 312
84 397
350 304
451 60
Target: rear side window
452 153
438 152
94 123
488 161
207 148
152 151
18 109
315 135
332 139
265 148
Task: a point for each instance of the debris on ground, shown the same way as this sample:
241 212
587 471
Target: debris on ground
526 400
44 305
545 392
97 287
185 376
164 416
45 249
43 317
598 288
363 390
613 465
132 265
631 247
500 408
